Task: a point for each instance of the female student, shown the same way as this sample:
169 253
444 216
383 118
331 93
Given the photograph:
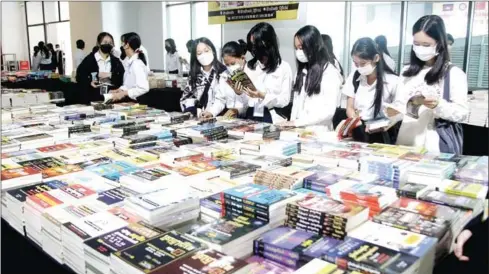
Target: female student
428 72
54 58
236 102
45 63
328 43
36 59
136 75
122 55
173 60
318 81
368 88
381 42
271 76
100 65
203 84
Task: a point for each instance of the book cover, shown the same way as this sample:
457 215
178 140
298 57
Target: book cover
157 252
426 208
164 198
204 261
441 198
327 206
261 265
94 225
42 163
225 230
115 195
60 170
256 195
8 174
21 193
57 147
122 238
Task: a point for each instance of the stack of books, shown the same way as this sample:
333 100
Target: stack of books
166 207
282 177
261 265
152 178
135 141
323 177
390 169
431 172
269 147
324 217
375 197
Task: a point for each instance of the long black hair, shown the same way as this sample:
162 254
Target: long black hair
264 44
195 66
328 43
434 27
317 56
43 49
381 42
234 49
133 40
100 38
171 43
365 48
36 51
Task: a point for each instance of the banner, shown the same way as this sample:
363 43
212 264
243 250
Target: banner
222 12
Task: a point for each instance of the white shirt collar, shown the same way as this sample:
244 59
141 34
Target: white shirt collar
363 78
99 58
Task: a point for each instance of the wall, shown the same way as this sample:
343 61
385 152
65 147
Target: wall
14 37
150 28
85 23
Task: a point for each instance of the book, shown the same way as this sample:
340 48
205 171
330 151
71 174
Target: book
471 190
346 127
19 177
412 190
317 266
239 76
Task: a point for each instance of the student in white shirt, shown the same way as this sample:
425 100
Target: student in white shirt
173 60
271 76
46 60
425 76
79 53
318 82
381 42
228 102
203 83
136 75
36 59
368 88
122 55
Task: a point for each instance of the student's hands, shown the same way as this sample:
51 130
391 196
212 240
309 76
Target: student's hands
104 75
206 115
94 84
231 113
254 93
430 103
117 96
115 91
459 246
351 113
238 88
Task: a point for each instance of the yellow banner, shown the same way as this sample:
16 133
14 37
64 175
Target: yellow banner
222 12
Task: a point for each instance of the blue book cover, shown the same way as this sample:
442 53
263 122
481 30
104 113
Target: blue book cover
310 191
258 194
113 171
319 248
115 195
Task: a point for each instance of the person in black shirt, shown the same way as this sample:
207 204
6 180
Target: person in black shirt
100 65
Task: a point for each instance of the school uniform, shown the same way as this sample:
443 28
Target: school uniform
125 61
199 97
79 56
364 98
45 63
135 78
422 131
277 87
389 61
92 65
226 98
318 109
173 64
36 61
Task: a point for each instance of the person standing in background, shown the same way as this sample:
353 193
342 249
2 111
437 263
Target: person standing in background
381 42
450 41
185 62
60 58
36 59
79 53
317 84
54 59
173 60
46 59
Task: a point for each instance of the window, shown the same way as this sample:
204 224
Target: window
454 15
478 69
329 18
49 22
202 27
374 19
179 26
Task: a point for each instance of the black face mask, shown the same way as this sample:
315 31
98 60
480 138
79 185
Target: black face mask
123 53
106 48
167 48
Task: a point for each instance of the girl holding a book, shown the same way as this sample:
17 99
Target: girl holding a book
270 100
318 81
203 84
229 101
368 88
443 89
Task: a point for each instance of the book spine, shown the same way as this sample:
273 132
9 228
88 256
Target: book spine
266 248
311 212
230 204
244 201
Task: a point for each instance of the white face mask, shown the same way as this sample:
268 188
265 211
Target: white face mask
425 53
261 65
301 56
205 58
366 70
235 67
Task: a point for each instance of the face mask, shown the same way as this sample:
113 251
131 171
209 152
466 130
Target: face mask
106 48
235 67
366 70
299 54
205 58
425 53
123 53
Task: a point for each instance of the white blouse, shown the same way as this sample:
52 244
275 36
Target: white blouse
318 109
422 131
225 97
277 87
135 78
365 96
173 62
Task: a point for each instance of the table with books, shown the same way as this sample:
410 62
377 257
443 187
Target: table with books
127 188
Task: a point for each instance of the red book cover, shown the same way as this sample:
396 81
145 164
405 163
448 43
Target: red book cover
18 172
57 147
60 170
